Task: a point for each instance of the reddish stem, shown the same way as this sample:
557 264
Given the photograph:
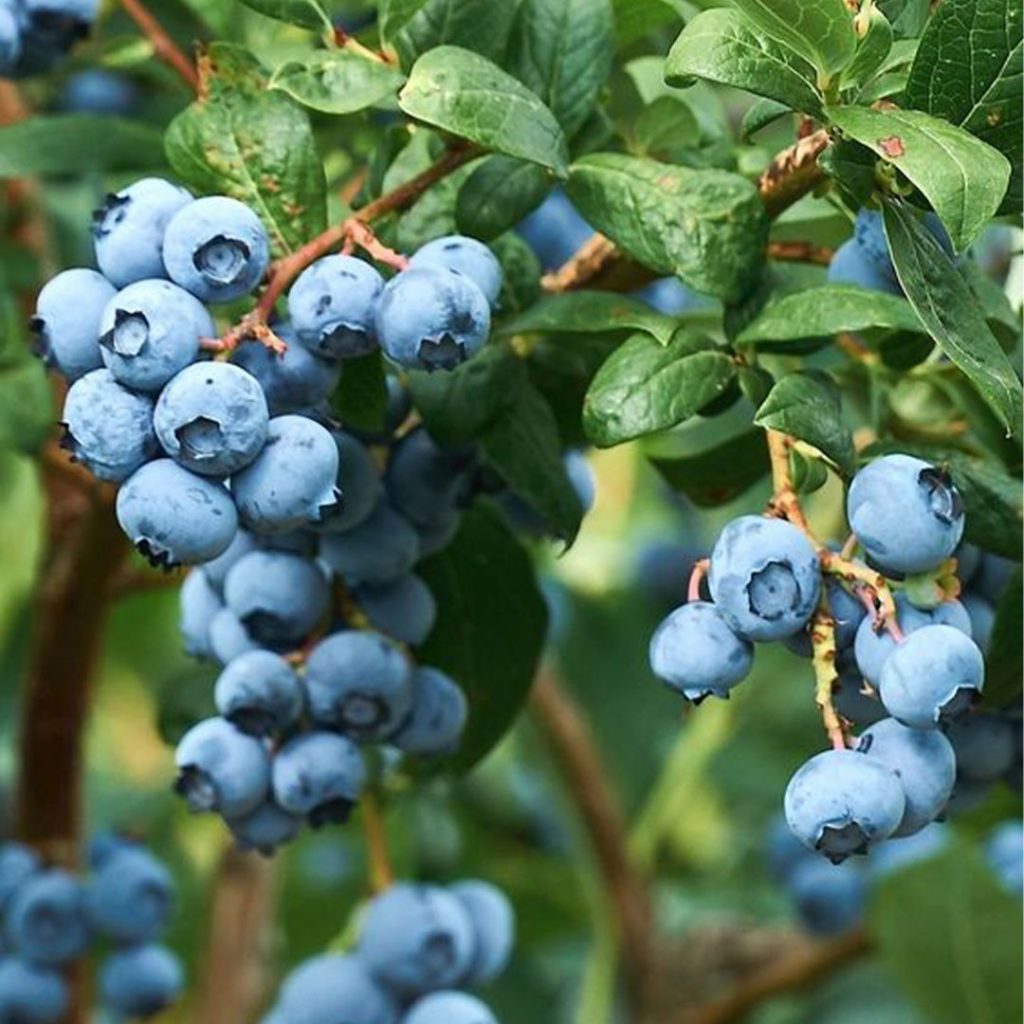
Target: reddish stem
163 45
700 570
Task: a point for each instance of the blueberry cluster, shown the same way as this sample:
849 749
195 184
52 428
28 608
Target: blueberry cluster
52 919
419 946
913 682
35 34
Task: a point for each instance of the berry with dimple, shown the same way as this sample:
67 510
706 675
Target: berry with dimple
46 921
934 676
358 481
216 248
131 896
985 746
150 331
212 418
906 513
140 981
465 256
331 989
259 693
493 921
842 802
438 715
696 652
379 550
30 994
128 229
67 321
265 829
319 775
432 319
359 682
404 608
222 769
173 516
332 306
449 1008
829 898
764 577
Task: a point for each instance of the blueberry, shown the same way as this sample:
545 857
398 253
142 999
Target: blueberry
696 652
131 896
18 864
129 227
848 613
465 256
332 988
983 618
259 693
292 481
985 746
670 296
216 248
851 697
265 829
993 577
581 476
493 921
96 91
968 561
842 802
103 846
438 535
829 898
438 716
30 994
1005 851
216 571
279 598
49 30
932 677
228 637
67 321
416 939
175 517
555 230
222 769
432 319
404 609
426 482
381 549
150 331
851 265
46 919
896 854
449 1008
924 763
764 577
141 981
358 481
332 306
319 775
869 234
906 513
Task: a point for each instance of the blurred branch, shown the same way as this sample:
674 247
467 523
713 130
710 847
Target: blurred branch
800 252
382 876
163 45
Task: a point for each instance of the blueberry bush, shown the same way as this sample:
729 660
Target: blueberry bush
511 511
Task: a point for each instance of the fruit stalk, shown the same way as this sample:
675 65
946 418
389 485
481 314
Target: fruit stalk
382 875
823 646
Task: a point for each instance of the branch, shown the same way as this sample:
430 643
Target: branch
163 45
595 255
382 875
823 647
800 252
793 173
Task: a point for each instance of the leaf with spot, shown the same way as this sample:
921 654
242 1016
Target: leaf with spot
337 81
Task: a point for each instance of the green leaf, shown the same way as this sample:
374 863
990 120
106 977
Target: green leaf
257 146
306 13
433 214
562 50
1004 661
361 398
820 30
498 194
951 936
761 114
490 628
872 51
945 304
968 70
723 46
666 129
635 19
337 81
26 405
907 17
394 15
585 312
75 143
809 408
721 473
830 309
466 94
707 227
645 387
963 178
479 25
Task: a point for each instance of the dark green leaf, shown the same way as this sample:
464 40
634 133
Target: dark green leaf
337 81
498 194
645 387
944 302
307 13
520 286
433 214
361 398
394 15
820 30
490 628
720 473
1004 661
666 130
635 19
466 94
761 114
479 25
907 17
723 46
707 227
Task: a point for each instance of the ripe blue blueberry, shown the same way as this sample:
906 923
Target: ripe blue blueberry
46 921
430 318
404 609
932 677
332 306
173 516
212 418
131 896
265 829
923 761
278 597
466 256
670 296
216 571
150 331
425 482
842 802
67 321
291 483
259 693
222 769
18 864
983 618
379 550
216 248
993 577
869 234
1005 851
96 91
359 682
555 230
852 699
851 265
764 577
140 981
985 746
438 535
449 1008
128 229
906 513
493 920
107 427
438 716
332 988
829 898
416 939
319 775
31 994
228 637
696 652
358 481
103 846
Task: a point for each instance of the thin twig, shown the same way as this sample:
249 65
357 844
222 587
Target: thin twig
588 261
382 875
800 252
163 45
700 570
823 645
